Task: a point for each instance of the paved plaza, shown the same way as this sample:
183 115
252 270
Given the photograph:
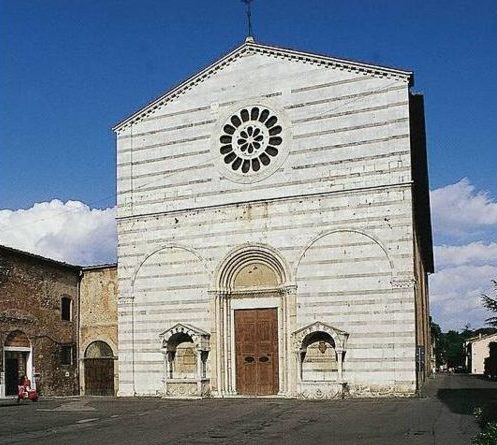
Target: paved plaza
443 415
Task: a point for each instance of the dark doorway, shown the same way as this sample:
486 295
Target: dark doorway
15 368
256 344
11 375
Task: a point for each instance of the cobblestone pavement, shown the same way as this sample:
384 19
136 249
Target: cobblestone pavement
443 415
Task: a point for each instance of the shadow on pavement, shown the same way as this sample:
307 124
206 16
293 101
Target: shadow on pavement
466 400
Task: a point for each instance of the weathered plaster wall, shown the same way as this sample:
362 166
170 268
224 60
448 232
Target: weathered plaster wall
98 313
479 352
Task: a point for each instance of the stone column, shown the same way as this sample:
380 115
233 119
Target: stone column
284 363
293 369
299 365
199 372
339 352
225 358
166 370
230 372
218 330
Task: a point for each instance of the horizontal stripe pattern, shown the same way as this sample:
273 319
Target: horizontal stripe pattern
349 133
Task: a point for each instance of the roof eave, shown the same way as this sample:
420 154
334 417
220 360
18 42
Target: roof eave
37 257
248 44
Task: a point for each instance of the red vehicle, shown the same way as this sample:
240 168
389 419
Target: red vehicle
24 391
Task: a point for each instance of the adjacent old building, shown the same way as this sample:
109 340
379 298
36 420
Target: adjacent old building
38 323
274 231
98 330
58 325
477 350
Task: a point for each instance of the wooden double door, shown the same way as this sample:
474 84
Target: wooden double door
256 346
99 376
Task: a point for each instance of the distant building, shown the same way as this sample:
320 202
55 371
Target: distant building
38 323
477 350
98 330
274 231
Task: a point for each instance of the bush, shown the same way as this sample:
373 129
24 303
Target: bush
488 435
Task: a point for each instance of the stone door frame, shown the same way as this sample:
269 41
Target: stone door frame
226 300
29 366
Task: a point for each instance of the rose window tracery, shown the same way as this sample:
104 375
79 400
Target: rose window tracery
250 139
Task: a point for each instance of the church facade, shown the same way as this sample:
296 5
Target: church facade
274 232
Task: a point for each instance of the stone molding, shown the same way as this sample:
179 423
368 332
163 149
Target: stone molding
248 48
339 337
321 390
125 299
244 254
199 336
403 282
156 250
321 235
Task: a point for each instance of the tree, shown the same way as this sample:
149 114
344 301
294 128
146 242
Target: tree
438 343
491 304
454 348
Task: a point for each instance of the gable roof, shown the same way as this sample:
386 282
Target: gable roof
34 256
251 47
482 338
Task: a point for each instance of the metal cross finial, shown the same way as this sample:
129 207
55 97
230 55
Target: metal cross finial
249 17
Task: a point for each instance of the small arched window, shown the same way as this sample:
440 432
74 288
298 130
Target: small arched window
66 309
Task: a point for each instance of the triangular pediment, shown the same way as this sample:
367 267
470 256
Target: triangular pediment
249 48
319 326
184 328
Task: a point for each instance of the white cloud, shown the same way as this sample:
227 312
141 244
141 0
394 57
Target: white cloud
455 294
464 270
70 232
473 253
458 209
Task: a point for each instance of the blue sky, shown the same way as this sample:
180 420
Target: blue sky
72 69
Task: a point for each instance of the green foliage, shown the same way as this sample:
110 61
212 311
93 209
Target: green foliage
449 346
454 348
436 338
491 304
488 425
487 436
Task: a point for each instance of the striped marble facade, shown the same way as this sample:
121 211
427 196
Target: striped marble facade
338 215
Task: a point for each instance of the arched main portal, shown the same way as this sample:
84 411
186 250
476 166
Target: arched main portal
18 361
99 369
253 310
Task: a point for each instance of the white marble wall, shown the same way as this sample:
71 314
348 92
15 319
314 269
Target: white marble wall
339 211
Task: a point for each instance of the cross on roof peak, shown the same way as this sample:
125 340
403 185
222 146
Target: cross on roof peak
250 33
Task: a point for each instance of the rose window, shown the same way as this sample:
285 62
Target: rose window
250 139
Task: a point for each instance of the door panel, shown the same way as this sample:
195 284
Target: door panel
99 376
256 344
